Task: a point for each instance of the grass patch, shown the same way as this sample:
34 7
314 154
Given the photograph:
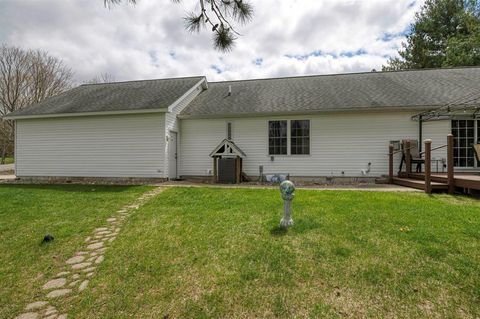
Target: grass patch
9 160
218 253
27 213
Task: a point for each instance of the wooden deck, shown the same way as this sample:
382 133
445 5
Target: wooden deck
418 183
451 181
466 181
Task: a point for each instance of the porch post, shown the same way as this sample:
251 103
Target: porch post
450 165
238 173
428 170
390 164
215 169
408 158
420 133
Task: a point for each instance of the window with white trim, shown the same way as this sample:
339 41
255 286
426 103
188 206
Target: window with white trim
289 137
299 137
277 137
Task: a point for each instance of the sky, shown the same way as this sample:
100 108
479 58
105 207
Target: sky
148 40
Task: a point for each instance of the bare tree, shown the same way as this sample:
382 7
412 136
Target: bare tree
102 78
26 77
219 15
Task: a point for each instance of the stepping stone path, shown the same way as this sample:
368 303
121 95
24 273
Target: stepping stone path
55 283
78 270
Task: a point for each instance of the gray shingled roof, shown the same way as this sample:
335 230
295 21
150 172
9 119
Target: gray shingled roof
404 89
119 96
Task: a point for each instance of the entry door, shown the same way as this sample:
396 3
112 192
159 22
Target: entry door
172 156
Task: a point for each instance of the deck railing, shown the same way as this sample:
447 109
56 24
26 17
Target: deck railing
428 168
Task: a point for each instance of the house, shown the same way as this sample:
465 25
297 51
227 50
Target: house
310 127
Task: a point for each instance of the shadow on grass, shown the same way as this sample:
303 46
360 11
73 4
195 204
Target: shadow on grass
300 226
278 231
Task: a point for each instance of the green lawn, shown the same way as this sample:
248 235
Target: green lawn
9 160
217 253
27 213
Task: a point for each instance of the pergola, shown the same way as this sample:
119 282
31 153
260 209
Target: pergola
466 107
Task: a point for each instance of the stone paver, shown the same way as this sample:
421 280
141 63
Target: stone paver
36 305
83 285
97 244
80 266
75 260
80 253
58 293
62 274
50 311
55 283
28 315
90 269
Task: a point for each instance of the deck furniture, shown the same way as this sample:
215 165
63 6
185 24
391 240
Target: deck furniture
415 157
476 151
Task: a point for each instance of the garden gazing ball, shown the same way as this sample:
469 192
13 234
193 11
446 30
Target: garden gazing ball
287 190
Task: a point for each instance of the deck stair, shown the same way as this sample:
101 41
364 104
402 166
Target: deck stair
419 183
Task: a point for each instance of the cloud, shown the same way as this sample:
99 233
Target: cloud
297 37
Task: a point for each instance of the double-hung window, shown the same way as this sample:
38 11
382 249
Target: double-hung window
289 137
277 137
300 137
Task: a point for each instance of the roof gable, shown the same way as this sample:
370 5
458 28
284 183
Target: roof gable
227 148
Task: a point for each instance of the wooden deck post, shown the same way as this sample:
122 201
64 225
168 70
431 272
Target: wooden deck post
428 169
408 158
238 173
390 164
215 179
450 165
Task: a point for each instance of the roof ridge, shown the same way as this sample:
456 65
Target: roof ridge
147 80
346 74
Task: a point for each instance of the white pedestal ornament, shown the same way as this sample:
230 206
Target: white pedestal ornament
287 190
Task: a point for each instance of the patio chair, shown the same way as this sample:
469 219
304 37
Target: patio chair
414 155
476 151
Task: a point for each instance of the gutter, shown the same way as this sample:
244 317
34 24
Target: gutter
119 112
304 112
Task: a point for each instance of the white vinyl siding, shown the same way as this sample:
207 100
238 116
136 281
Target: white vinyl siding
340 142
92 146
